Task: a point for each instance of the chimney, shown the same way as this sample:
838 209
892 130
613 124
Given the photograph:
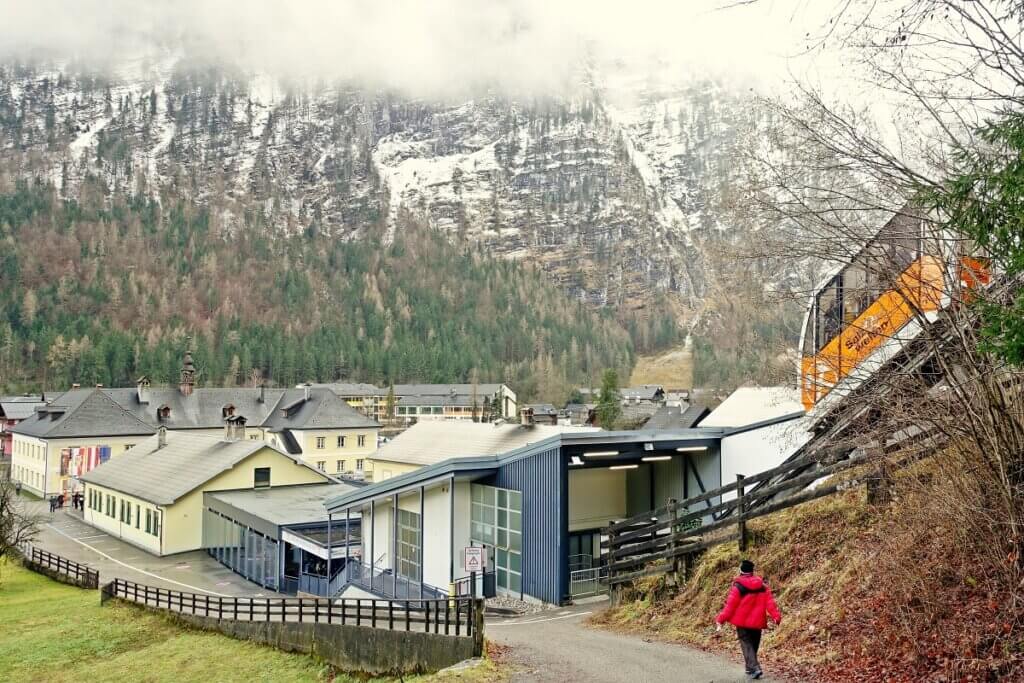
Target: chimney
76 386
263 392
526 417
161 437
142 390
305 391
99 386
234 428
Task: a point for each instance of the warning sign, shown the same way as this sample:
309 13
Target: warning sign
474 559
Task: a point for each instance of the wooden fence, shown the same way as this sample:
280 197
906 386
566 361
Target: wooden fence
82 575
652 543
458 616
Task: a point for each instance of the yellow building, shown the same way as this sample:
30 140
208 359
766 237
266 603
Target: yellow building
69 436
81 428
153 497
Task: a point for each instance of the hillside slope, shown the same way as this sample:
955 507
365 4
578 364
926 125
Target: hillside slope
98 291
866 595
618 189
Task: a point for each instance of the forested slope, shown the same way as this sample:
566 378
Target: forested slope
101 290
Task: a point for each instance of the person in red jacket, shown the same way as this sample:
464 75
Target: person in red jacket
748 607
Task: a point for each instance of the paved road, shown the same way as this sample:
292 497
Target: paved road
197 572
556 645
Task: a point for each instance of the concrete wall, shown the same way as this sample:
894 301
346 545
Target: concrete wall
380 529
596 496
758 450
463 510
354 649
638 490
708 466
436 537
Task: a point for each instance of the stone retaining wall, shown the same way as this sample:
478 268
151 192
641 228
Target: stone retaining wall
360 649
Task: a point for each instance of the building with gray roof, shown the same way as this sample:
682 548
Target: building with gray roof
163 479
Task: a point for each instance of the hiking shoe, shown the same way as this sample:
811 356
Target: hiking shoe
757 674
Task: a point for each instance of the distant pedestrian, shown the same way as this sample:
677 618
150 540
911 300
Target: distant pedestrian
60 501
53 503
17 487
748 607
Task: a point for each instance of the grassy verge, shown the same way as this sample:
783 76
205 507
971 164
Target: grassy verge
57 633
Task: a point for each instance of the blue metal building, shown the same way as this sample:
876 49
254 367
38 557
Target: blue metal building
537 510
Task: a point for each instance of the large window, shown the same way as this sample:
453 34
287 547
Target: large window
240 548
409 561
321 441
496 520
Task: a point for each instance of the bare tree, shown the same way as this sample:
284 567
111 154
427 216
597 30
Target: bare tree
18 524
844 192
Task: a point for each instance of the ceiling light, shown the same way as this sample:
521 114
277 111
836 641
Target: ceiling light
600 454
623 467
656 458
691 449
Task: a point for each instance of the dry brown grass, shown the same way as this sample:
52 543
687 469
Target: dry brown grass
672 369
893 593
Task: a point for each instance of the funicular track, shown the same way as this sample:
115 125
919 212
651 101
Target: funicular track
660 541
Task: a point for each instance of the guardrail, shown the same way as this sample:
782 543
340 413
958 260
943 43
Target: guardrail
450 616
385 582
82 575
487 585
652 543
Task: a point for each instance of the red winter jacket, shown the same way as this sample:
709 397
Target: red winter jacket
749 604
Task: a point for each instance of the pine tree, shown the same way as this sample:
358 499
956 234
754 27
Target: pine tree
609 406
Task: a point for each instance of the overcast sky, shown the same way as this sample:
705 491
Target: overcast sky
433 46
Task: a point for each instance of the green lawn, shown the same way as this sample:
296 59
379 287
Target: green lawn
53 632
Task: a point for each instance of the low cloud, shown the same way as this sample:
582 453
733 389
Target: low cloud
424 47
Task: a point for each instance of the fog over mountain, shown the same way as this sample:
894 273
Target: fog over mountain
444 47
609 145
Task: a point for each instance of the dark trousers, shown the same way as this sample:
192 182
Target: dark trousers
750 640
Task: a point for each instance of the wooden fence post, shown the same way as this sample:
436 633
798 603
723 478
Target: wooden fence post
673 530
614 589
741 513
478 627
878 486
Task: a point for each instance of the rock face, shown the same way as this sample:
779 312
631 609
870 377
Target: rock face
615 189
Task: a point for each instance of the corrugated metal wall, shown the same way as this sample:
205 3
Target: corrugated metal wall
544 485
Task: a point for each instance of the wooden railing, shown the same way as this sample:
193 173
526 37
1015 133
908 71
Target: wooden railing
448 616
652 543
83 575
